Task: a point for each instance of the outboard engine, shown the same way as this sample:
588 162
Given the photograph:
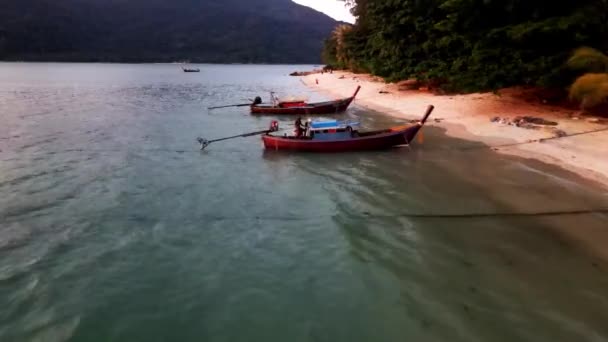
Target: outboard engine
257 101
274 126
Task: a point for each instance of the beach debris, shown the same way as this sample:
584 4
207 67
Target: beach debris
383 92
438 120
341 77
534 120
560 134
527 126
528 122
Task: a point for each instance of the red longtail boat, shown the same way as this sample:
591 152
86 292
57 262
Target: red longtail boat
335 137
303 108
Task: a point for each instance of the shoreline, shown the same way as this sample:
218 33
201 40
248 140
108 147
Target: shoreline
470 117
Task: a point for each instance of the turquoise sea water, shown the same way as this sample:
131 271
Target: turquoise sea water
114 227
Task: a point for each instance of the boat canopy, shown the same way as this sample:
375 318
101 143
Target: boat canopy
331 124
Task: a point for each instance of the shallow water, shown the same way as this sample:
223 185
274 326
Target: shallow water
114 227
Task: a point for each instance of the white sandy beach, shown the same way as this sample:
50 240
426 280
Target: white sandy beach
469 117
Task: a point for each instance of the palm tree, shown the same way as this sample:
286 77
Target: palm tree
339 35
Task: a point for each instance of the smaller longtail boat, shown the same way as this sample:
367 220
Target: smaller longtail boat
301 107
191 69
334 136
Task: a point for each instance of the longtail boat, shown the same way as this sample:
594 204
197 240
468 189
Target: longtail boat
191 69
334 136
303 108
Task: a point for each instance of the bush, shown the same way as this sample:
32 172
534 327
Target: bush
589 60
590 90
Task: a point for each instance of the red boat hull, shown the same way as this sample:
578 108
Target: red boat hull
376 140
365 143
321 108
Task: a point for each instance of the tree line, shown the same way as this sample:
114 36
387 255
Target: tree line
472 45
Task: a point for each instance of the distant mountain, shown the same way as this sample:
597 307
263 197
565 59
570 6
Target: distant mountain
215 31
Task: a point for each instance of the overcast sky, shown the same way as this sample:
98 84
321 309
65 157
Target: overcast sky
333 8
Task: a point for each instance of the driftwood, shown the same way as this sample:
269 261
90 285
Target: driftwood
521 120
530 122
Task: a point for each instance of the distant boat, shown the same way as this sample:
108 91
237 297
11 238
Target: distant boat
191 69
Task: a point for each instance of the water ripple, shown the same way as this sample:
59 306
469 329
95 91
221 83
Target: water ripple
104 235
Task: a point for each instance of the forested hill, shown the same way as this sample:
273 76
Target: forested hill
468 45
223 31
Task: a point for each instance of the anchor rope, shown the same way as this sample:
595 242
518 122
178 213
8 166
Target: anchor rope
602 212
469 215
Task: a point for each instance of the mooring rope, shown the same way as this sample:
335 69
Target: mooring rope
527 142
423 216
470 215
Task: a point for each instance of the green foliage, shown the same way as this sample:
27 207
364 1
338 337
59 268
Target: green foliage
343 49
590 90
470 45
589 60
329 54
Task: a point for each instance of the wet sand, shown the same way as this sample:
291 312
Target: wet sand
470 117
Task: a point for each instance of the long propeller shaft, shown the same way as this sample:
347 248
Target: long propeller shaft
204 142
228 106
